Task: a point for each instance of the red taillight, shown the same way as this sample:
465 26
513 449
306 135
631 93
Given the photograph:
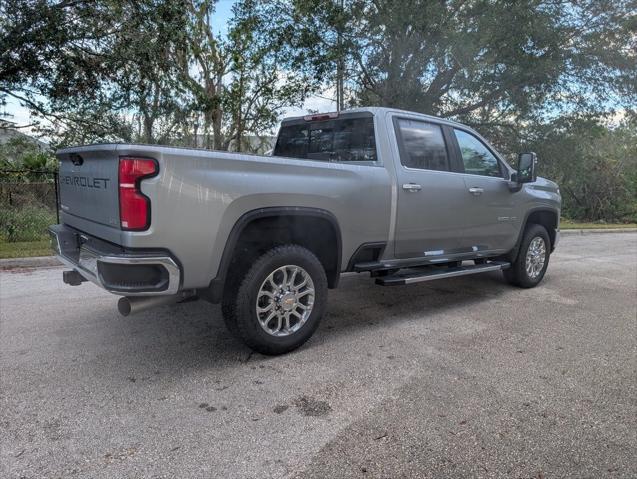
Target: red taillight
134 207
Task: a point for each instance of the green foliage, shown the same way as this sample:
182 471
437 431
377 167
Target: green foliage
566 224
595 166
22 153
479 60
25 224
150 71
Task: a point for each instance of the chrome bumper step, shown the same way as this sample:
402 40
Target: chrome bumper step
410 276
111 267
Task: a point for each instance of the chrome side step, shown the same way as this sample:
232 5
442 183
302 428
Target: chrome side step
418 276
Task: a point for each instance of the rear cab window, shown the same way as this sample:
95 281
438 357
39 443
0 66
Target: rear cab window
347 138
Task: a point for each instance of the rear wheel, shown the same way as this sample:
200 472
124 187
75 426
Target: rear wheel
529 267
279 301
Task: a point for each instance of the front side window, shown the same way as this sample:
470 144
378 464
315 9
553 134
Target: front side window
341 140
477 158
422 145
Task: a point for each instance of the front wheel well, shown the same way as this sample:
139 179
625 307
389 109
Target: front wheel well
546 218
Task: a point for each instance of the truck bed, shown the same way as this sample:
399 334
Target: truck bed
198 195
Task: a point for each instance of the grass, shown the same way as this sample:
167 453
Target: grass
25 249
23 231
28 223
571 225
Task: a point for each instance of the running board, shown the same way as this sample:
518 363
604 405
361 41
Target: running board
413 276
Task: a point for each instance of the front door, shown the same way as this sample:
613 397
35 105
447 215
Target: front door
429 219
488 208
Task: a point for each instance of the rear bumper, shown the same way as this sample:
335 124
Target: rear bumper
113 268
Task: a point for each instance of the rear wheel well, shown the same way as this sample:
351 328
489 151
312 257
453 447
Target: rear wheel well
314 232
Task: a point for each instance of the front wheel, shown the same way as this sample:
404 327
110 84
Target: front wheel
280 301
529 267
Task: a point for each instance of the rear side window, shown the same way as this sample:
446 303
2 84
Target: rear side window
422 145
341 140
477 158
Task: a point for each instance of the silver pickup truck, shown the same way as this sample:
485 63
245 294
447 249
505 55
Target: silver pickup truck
404 196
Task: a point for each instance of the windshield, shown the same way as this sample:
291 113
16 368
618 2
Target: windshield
340 139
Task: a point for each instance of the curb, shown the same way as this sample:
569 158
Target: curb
597 231
35 262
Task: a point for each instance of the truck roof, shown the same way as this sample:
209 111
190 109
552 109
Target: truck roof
376 110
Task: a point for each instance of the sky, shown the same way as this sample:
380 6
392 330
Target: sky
223 12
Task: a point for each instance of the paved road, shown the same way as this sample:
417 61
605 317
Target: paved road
465 377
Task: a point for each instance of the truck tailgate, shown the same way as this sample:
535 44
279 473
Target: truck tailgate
89 184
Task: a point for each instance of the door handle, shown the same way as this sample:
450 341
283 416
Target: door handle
413 187
476 191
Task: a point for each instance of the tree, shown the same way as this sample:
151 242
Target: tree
22 159
237 83
481 61
96 70
594 164
156 72
48 49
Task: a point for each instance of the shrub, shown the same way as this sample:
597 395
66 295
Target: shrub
25 224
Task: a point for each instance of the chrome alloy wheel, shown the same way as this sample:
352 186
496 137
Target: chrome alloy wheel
285 300
535 257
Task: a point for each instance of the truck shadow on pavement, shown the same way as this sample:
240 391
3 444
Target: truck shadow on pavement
187 336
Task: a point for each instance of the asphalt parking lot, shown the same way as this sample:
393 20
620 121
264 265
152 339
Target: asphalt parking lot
465 377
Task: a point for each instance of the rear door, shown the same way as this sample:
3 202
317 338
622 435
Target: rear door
488 204
429 220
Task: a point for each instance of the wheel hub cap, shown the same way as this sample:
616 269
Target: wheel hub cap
285 300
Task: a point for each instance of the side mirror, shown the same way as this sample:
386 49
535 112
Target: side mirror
526 168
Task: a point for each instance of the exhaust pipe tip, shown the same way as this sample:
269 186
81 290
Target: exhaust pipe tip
128 305
124 306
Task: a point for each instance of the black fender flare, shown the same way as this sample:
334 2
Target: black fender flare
513 254
215 289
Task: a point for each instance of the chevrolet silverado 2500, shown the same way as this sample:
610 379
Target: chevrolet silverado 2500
404 196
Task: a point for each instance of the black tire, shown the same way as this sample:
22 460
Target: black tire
517 273
239 304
